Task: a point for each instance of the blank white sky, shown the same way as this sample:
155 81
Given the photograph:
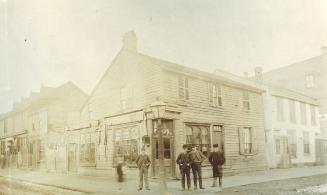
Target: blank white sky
51 42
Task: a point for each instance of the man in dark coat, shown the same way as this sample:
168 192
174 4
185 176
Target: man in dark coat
183 160
196 160
217 159
143 163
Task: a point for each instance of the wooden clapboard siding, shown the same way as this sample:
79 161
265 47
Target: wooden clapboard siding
232 115
138 74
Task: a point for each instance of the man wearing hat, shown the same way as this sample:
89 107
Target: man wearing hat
143 163
196 160
183 160
217 159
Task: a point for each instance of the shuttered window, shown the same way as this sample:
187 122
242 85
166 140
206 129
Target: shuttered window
247 140
215 96
246 100
183 88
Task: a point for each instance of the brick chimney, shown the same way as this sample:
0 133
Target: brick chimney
130 41
258 74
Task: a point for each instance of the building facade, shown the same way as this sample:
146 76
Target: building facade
139 95
308 77
26 132
291 126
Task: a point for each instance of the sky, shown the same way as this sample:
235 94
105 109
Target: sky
50 42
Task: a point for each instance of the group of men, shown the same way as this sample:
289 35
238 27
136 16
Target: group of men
190 158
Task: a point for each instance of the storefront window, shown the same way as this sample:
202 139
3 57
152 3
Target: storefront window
126 144
199 135
87 153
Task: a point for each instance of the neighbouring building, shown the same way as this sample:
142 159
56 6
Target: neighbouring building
31 134
139 95
308 77
291 126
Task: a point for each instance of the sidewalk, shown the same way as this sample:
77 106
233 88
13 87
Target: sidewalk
97 185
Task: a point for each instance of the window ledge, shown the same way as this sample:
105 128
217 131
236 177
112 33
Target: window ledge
183 102
249 154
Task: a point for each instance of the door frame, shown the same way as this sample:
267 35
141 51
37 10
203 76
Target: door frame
75 155
172 149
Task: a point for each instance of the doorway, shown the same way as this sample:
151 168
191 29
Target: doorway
168 148
72 158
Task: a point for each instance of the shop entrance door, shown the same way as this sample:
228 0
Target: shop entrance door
168 148
72 160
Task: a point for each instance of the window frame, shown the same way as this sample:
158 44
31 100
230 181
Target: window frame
280 114
215 95
306 143
190 138
293 143
243 145
303 113
292 111
309 81
313 115
246 100
183 87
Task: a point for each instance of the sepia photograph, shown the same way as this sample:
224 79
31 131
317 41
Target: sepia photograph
165 97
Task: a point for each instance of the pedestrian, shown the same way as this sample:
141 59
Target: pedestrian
197 158
183 160
121 172
217 159
143 163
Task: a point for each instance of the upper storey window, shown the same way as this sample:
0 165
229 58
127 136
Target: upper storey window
183 90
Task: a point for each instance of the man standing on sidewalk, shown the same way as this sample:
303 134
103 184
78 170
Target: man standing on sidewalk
183 160
143 163
217 159
196 159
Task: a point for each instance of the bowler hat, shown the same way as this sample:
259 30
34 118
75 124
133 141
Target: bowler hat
215 145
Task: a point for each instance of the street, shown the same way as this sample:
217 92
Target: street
306 185
9 186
